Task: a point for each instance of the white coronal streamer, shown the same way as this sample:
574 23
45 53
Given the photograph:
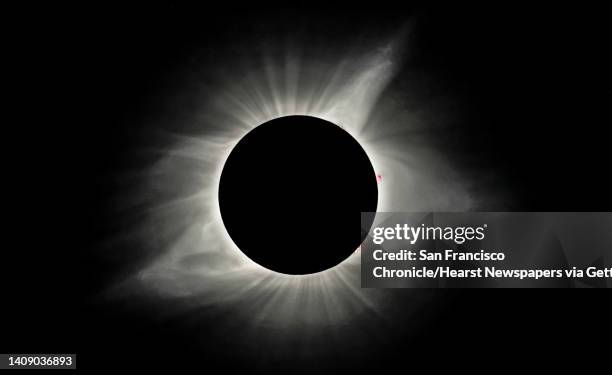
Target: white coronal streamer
196 258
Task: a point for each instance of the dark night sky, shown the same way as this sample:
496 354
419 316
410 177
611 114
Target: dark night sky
532 84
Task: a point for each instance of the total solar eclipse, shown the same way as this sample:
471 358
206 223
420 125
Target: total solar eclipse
292 191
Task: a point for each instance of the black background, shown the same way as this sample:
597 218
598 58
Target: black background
533 82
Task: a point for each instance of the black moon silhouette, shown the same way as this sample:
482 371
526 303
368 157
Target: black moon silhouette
292 191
